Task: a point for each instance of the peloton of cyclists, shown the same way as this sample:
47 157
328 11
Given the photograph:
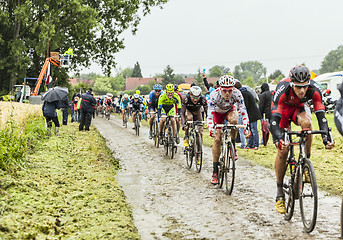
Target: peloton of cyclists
191 110
124 104
222 106
288 103
137 106
153 105
166 107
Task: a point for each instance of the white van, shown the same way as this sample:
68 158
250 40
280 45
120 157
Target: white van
330 81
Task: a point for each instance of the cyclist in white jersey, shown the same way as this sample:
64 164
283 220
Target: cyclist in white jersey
222 106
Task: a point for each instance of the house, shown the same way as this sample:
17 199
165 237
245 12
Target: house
132 83
74 81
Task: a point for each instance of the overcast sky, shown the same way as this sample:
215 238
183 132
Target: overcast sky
193 34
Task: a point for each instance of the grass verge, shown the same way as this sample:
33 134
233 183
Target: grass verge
67 190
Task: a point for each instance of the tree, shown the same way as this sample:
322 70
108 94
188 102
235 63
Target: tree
199 82
168 76
254 69
276 74
216 72
333 61
179 79
137 71
102 86
92 28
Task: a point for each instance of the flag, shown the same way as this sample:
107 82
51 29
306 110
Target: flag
313 75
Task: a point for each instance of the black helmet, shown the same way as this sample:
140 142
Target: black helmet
300 74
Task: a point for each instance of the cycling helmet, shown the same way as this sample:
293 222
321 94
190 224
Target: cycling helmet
136 96
138 92
169 88
126 96
300 74
176 87
195 91
227 81
158 87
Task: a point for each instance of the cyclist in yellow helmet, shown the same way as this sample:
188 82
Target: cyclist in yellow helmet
166 106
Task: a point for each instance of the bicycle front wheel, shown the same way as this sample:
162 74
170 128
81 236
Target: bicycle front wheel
198 152
171 143
156 135
230 168
288 189
165 144
308 197
137 125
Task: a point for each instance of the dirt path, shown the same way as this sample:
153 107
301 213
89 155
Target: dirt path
172 202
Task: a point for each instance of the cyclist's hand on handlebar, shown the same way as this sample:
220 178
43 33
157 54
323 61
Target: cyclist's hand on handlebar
184 127
212 133
282 145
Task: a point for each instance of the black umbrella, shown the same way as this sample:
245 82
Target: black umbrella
55 94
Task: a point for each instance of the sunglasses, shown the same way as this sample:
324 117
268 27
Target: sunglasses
299 86
158 91
195 97
227 91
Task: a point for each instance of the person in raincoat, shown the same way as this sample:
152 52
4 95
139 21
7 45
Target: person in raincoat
88 104
49 112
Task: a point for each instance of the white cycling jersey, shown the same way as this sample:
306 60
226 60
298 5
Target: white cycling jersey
218 104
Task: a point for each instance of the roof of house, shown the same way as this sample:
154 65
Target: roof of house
132 83
74 81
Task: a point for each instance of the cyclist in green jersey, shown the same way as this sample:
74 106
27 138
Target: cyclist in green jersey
166 106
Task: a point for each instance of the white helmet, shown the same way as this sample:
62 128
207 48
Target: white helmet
195 91
227 81
135 95
126 96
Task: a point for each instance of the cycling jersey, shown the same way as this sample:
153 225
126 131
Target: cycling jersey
287 105
109 102
217 104
153 100
165 103
194 109
124 103
137 106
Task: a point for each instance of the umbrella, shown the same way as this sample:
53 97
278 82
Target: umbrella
265 131
55 94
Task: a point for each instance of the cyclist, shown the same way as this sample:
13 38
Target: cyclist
153 105
124 104
166 106
289 103
108 104
191 110
137 105
222 105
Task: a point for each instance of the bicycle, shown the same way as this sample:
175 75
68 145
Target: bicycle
302 182
168 139
108 112
155 131
227 166
126 117
195 145
137 122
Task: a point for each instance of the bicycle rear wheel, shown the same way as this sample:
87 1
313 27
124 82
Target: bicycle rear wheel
198 152
308 197
230 169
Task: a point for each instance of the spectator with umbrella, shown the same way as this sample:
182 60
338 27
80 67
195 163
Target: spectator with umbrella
52 100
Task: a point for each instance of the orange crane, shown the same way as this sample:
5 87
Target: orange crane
43 71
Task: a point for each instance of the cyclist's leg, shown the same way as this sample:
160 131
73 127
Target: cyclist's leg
133 116
172 112
152 118
217 119
122 114
140 116
189 117
162 120
304 118
232 117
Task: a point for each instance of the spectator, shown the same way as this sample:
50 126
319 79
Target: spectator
78 107
253 114
65 106
88 105
49 112
265 105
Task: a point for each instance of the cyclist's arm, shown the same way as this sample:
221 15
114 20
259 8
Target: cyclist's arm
277 106
178 102
206 84
210 111
160 103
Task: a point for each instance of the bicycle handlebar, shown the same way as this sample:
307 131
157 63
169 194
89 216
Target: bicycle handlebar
228 126
195 122
306 132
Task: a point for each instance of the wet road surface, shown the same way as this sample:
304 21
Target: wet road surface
170 201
